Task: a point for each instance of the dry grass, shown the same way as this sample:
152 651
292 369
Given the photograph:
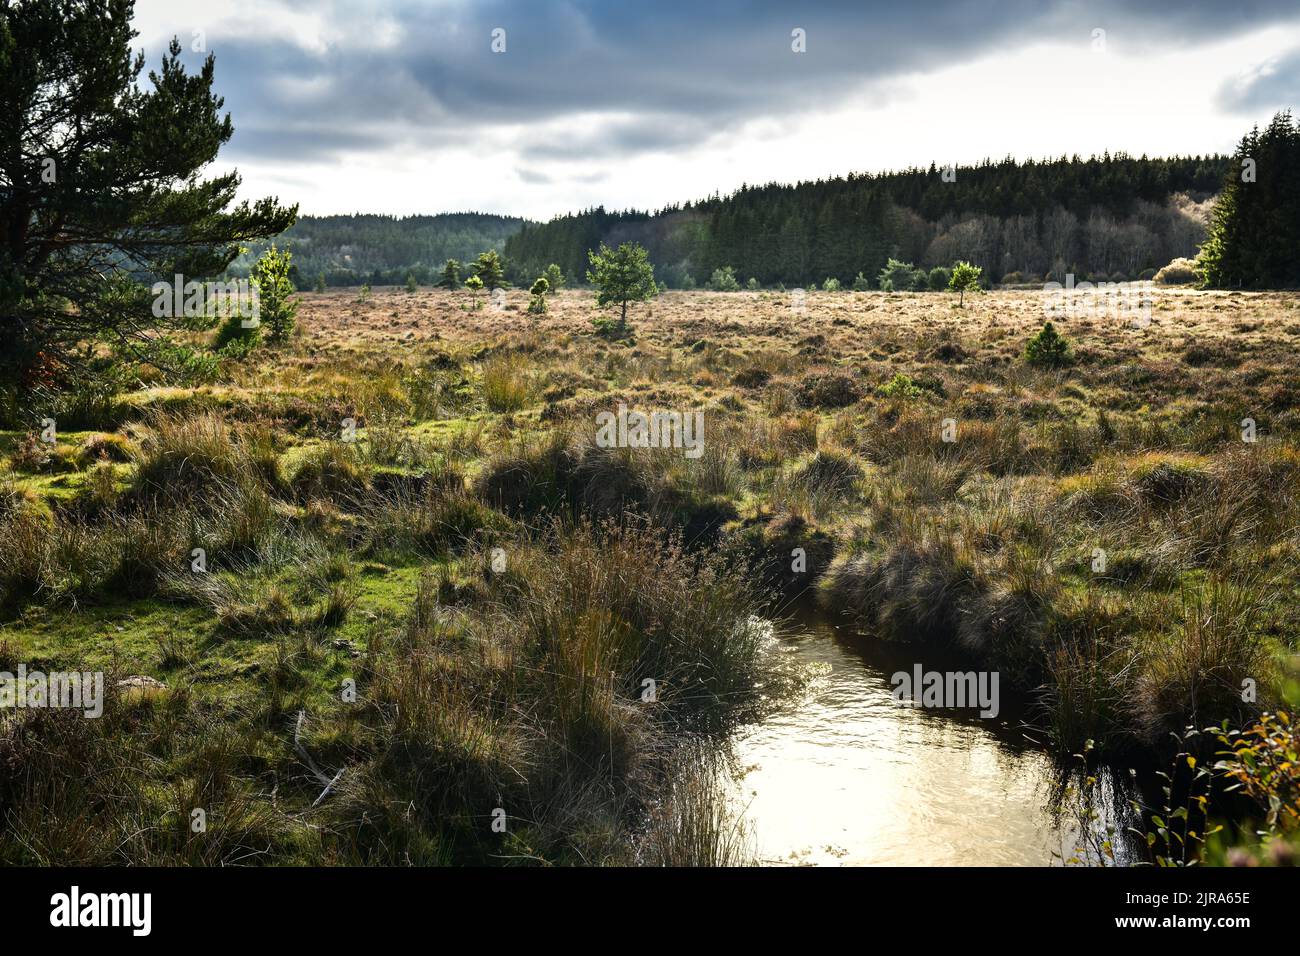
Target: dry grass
940 489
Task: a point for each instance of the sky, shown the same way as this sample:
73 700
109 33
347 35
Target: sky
537 108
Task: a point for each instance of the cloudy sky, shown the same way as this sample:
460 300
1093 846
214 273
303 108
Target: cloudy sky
406 106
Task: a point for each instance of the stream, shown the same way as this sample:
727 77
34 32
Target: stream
849 777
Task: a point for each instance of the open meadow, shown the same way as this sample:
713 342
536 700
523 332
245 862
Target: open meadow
366 596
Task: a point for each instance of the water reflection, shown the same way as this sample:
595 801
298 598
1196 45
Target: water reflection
849 777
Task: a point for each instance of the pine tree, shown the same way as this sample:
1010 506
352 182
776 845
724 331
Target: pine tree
554 277
1254 236
537 304
99 189
277 308
450 275
621 276
474 284
489 270
965 277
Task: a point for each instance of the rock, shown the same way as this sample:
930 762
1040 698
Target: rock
141 682
345 645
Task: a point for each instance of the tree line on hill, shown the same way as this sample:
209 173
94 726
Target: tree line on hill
1099 217
1107 218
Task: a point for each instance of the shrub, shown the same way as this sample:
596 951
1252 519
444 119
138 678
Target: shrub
105 447
1263 761
755 376
831 285
1178 272
900 386
938 278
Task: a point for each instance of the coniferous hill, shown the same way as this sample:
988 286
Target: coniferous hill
384 250
1109 216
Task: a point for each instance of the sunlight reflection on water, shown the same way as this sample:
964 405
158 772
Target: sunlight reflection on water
848 777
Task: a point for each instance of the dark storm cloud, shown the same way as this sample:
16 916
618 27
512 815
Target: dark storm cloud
681 70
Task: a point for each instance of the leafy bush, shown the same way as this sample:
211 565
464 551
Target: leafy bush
900 386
